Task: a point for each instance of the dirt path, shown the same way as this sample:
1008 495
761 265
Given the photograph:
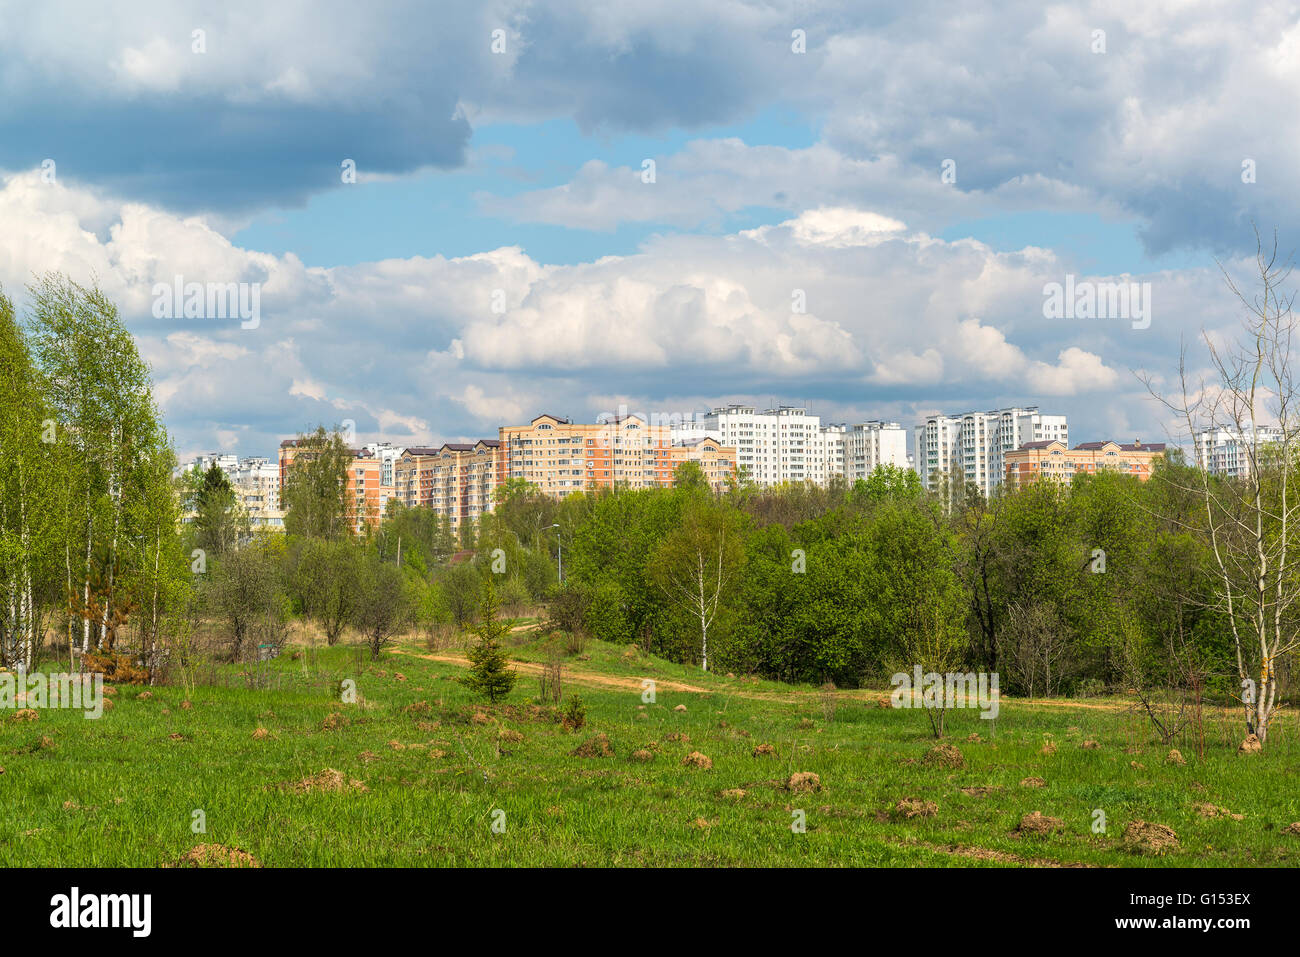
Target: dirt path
576 675
793 696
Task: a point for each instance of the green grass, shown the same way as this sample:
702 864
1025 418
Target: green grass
119 791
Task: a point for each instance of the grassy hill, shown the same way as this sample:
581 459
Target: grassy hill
416 771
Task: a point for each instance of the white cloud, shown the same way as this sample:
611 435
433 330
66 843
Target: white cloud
412 349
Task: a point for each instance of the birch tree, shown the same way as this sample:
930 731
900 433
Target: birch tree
698 563
99 392
1249 518
28 519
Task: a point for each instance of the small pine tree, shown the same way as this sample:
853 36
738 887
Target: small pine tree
488 674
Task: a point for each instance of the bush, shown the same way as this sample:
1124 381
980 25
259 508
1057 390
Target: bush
1090 688
568 609
606 615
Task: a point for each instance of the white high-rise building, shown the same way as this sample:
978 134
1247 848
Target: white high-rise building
937 447
972 445
256 483
389 455
257 487
1227 451
871 444
786 444
226 461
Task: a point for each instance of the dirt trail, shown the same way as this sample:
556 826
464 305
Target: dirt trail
576 675
793 696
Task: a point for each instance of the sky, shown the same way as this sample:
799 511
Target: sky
459 216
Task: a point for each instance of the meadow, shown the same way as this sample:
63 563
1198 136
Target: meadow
279 771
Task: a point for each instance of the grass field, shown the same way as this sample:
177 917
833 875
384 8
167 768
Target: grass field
425 767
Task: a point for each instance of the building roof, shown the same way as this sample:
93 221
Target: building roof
1136 446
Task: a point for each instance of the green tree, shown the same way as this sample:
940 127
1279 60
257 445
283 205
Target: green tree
244 591
219 522
385 603
696 566
489 672
30 532
690 477
315 487
100 394
326 582
462 589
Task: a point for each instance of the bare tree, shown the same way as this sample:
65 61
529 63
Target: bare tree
1036 649
1250 516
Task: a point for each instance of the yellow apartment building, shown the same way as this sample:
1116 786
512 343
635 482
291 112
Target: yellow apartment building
716 461
1052 459
560 456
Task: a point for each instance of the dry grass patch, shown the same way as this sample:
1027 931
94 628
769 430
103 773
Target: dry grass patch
217 855
804 781
597 747
909 807
328 781
1037 822
944 756
1147 837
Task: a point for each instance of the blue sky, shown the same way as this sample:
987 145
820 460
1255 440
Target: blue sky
437 212
501 252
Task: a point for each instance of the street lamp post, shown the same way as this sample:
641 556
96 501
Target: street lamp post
560 546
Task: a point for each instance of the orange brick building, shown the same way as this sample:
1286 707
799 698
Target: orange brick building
561 457
362 495
1052 459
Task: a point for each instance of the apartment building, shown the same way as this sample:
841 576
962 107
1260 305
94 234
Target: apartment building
872 444
716 461
362 496
228 462
413 476
560 456
1222 451
255 481
463 478
786 444
364 489
257 489
1052 460
973 445
388 456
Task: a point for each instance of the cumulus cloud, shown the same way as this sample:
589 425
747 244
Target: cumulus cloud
846 309
1018 97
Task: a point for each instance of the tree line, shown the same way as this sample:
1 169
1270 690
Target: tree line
1186 581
